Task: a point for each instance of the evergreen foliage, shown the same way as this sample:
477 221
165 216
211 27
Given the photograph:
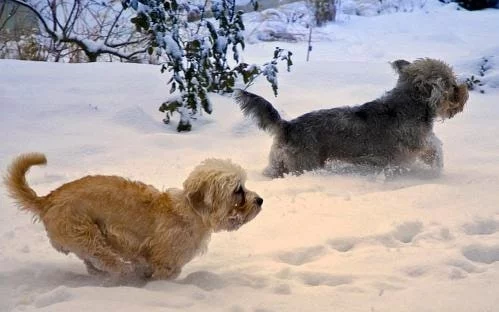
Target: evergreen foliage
203 55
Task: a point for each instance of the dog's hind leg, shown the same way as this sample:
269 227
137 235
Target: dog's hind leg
83 237
275 170
277 167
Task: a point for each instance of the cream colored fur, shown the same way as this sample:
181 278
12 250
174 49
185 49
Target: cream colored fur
127 228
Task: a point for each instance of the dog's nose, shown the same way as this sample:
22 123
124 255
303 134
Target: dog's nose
259 201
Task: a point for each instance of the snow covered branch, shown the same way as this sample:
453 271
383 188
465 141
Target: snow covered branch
95 27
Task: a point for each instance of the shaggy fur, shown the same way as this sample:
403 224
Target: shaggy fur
127 228
393 130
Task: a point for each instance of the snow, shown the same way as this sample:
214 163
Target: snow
221 44
171 46
324 241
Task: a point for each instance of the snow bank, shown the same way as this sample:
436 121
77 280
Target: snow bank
324 241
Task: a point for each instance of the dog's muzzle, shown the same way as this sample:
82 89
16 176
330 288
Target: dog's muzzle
238 219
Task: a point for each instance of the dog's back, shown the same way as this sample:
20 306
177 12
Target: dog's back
98 189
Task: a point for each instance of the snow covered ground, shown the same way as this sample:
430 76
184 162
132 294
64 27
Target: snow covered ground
323 242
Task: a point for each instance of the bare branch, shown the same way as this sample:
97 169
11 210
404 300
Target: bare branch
53 9
113 25
72 23
70 27
126 43
71 14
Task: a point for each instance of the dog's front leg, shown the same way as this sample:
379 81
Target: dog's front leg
432 154
164 257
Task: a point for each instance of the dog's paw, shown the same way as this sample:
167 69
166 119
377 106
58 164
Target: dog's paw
166 273
92 270
127 268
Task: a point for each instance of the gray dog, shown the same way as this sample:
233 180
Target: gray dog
391 131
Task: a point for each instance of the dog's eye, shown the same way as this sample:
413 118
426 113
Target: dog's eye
456 92
239 190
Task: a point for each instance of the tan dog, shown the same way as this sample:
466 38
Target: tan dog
128 228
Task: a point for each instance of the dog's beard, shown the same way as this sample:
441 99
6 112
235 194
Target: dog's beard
454 104
450 109
234 221
237 218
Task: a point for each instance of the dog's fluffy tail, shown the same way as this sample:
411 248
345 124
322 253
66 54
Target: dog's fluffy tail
261 110
17 186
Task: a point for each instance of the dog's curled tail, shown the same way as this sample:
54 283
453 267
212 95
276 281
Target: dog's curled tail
16 184
261 110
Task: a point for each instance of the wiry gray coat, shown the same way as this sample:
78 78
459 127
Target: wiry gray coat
393 130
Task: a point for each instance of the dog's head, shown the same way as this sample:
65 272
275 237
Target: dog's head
216 191
434 82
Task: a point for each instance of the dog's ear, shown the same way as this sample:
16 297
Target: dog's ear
399 65
437 92
431 89
199 195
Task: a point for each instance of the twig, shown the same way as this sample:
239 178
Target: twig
309 42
